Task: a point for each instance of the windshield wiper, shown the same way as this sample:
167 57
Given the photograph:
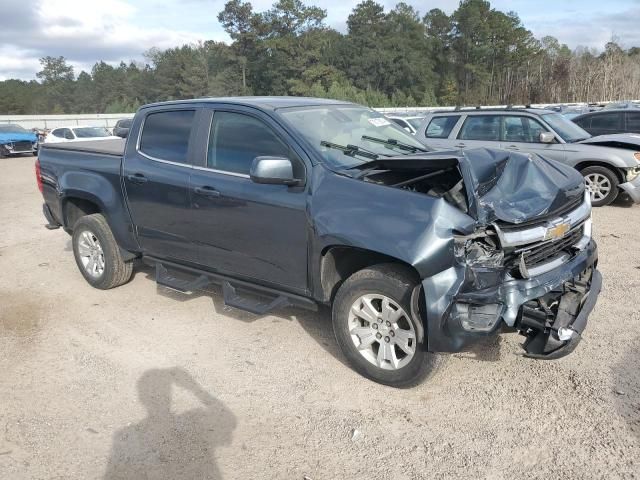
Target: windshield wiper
395 143
351 150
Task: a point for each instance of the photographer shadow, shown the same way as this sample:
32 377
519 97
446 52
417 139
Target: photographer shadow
166 445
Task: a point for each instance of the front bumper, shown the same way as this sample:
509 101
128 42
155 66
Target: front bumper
632 188
445 331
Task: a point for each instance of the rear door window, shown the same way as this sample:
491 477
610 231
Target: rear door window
165 135
521 129
440 127
633 122
607 121
481 127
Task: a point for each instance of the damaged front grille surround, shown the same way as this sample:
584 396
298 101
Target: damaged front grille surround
542 247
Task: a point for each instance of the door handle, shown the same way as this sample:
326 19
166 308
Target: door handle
137 178
460 145
513 147
207 191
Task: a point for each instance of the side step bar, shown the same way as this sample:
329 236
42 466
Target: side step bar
239 294
164 278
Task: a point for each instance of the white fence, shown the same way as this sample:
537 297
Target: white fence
109 119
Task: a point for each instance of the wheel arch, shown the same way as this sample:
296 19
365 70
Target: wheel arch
599 163
339 262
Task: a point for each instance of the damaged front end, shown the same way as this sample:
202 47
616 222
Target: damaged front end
528 264
540 279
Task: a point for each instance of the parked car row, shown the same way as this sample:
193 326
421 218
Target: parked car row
608 163
16 140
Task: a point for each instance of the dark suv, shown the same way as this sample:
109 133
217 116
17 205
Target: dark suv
607 122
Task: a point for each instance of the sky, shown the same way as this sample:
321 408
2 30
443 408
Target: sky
87 31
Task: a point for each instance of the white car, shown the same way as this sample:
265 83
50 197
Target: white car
78 134
410 124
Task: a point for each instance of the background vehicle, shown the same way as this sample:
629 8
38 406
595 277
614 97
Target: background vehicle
606 122
15 140
608 163
410 124
78 134
414 251
121 128
621 105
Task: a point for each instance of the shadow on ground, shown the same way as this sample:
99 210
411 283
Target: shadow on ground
165 445
316 324
626 382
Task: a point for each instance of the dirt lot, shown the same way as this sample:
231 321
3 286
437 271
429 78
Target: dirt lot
187 388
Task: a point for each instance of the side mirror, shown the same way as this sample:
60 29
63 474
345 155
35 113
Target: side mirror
273 170
69 136
407 129
547 137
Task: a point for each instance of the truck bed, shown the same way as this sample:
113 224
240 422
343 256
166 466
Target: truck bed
104 147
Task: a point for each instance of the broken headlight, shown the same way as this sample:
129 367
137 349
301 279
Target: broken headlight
632 173
480 249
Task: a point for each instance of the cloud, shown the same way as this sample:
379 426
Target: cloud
81 31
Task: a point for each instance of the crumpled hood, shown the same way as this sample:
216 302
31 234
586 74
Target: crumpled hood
17 137
517 187
631 140
500 185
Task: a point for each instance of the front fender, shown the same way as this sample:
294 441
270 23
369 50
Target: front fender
412 227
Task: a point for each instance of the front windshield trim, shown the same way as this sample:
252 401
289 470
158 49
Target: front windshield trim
565 128
344 124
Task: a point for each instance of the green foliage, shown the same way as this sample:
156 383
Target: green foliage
476 55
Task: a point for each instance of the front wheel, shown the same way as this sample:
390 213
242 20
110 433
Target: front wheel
374 327
97 254
602 184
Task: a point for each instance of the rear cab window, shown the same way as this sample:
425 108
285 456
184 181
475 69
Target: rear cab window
165 135
440 127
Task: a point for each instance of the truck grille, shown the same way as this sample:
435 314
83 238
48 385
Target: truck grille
22 146
541 252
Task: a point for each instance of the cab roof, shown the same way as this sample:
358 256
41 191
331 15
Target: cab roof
265 103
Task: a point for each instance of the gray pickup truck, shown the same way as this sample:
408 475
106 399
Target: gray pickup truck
305 202
609 163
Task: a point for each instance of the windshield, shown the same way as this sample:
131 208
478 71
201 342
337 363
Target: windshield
12 129
415 122
91 132
347 125
569 131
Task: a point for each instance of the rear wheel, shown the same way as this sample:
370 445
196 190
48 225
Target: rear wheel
602 184
374 327
97 254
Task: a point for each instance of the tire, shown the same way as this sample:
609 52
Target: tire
93 246
598 179
371 286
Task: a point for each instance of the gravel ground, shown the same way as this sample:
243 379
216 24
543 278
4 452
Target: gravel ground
183 387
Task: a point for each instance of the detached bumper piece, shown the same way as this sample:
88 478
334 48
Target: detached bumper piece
633 189
553 324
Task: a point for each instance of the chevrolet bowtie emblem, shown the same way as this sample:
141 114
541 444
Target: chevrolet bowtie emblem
557 231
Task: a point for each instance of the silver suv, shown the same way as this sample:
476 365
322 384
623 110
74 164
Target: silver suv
608 163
